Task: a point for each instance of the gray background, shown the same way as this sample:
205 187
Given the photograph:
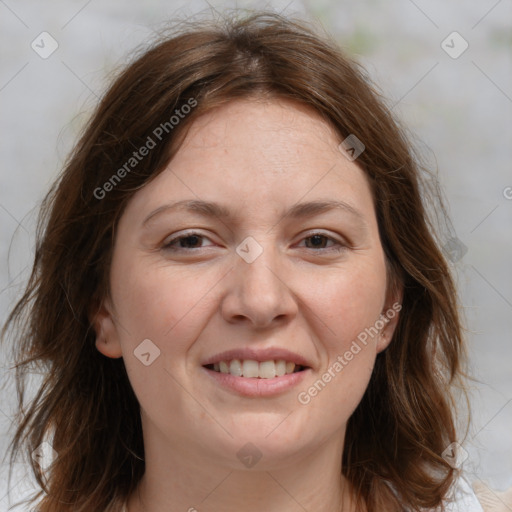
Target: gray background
459 111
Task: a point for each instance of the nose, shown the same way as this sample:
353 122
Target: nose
259 292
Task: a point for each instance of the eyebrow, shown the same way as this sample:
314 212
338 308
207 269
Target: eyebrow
300 210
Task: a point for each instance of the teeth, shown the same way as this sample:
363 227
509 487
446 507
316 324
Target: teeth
252 369
267 370
281 367
235 368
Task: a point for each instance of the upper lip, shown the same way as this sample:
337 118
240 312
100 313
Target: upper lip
260 355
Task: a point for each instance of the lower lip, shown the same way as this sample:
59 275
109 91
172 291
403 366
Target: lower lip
255 387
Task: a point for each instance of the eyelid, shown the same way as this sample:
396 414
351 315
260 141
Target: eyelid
338 241
166 244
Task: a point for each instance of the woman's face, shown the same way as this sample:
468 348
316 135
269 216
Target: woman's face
255 252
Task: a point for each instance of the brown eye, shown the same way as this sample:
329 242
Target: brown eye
184 242
189 242
323 242
317 241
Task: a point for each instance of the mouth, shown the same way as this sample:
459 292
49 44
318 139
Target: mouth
257 372
252 369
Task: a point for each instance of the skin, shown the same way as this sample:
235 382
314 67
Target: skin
257 158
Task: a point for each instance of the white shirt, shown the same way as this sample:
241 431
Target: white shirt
465 499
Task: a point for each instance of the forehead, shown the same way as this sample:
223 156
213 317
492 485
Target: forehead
258 153
267 127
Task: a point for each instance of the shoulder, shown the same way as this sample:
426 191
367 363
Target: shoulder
464 499
493 500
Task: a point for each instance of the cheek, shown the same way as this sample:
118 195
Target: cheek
349 301
167 306
156 303
348 305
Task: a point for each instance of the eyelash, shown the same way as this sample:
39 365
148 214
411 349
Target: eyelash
169 245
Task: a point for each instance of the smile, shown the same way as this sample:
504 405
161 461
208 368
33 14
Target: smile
255 379
252 369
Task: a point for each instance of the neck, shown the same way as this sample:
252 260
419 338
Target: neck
182 479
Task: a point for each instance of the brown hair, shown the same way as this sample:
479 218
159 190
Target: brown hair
405 420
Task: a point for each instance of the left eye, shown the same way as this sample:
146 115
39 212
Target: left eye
319 241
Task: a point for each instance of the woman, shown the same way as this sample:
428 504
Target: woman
237 298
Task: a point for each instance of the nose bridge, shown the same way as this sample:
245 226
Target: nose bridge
257 290
262 274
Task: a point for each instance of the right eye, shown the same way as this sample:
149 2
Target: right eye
188 241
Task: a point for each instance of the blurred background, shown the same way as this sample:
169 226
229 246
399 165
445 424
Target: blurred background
446 68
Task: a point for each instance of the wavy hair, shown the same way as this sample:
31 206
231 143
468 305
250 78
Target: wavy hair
85 404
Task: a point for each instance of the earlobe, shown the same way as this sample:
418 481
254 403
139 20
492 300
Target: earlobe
390 316
383 341
107 340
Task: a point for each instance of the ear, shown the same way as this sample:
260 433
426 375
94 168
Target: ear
107 339
389 317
